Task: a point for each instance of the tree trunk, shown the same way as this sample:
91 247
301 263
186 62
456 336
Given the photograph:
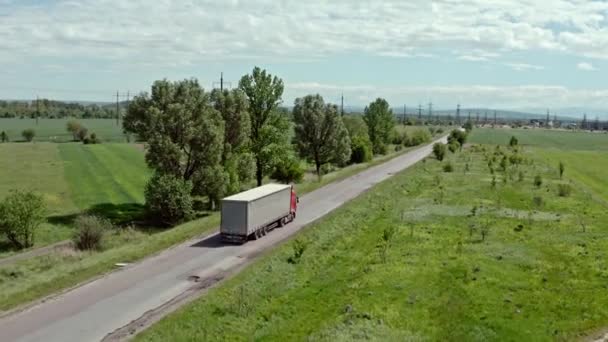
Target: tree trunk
14 240
318 165
258 171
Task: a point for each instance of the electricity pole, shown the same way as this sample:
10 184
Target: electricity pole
37 109
430 111
458 114
494 118
117 108
420 111
342 104
404 114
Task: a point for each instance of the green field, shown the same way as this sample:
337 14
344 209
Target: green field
107 179
536 275
55 129
566 140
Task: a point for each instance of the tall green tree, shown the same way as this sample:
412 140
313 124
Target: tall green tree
269 127
3 136
380 122
237 159
183 131
320 133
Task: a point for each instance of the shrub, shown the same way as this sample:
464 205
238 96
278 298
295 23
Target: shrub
90 231
290 170
562 168
168 199
361 150
458 135
564 190
468 126
93 139
28 134
513 142
380 149
21 213
521 176
327 168
419 137
454 146
82 133
3 137
448 167
515 159
73 127
538 201
538 181
439 150
398 148
439 130
299 246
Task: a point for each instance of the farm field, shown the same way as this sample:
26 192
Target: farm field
413 260
55 129
566 140
107 180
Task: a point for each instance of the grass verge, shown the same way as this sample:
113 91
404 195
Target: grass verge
412 260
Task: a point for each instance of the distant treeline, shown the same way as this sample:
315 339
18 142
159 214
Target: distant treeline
45 108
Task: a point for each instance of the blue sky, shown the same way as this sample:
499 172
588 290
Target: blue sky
520 55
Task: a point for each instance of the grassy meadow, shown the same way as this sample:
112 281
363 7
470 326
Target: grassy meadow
413 260
559 139
54 130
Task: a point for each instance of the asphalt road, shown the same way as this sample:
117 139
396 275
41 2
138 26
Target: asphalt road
90 312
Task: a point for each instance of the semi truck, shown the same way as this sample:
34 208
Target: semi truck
254 213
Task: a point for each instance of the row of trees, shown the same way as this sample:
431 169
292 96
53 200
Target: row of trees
214 143
45 108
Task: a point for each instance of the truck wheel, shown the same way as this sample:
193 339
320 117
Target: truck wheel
282 222
257 235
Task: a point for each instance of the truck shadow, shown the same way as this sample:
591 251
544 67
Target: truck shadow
214 241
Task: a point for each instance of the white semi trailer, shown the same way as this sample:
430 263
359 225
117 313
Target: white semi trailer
253 213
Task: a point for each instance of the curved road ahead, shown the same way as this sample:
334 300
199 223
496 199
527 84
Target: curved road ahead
90 312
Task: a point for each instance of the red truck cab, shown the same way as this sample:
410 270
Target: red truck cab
294 203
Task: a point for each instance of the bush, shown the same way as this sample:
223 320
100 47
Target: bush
398 148
21 213
440 130
419 137
361 150
299 246
3 137
90 231
82 133
454 146
327 168
168 199
564 190
380 149
458 135
93 139
289 170
538 181
513 142
538 201
448 167
439 150
28 134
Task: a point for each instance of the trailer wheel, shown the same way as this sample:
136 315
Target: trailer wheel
282 222
257 235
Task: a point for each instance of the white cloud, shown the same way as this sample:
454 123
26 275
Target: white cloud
190 31
524 66
585 66
507 97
